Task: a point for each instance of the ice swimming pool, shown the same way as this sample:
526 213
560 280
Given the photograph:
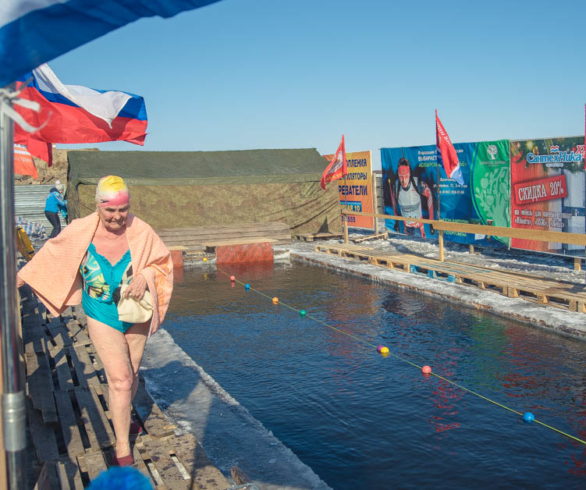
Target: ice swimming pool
360 420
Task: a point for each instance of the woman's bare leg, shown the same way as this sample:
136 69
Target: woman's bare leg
113 349
136 337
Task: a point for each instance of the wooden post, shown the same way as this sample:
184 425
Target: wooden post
577 264
345 219
471 249
441 245
374 202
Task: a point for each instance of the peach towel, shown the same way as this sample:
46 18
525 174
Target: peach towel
54 275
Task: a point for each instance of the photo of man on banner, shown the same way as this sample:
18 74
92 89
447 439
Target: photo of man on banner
410 194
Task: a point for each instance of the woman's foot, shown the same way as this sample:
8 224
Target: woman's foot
127 460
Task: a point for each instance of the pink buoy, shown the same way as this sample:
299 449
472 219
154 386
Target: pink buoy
426 370
379 348
232 278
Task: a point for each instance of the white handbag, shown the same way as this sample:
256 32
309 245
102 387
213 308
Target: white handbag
131 310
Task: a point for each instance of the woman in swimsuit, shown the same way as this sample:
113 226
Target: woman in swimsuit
107 249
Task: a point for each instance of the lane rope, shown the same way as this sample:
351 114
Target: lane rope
494 402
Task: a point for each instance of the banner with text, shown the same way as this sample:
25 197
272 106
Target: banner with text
410 189
548 190
356 191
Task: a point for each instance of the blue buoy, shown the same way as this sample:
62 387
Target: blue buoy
302 312
528 417
247 286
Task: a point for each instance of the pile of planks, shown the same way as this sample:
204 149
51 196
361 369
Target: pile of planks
193 239
69 418
319 236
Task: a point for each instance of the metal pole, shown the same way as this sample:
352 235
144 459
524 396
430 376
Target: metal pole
345 216
439 189
13 398
374 201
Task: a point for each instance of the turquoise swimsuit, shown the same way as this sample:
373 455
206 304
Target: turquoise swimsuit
101 287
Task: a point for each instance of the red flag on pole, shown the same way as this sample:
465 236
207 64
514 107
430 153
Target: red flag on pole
447 152
337 168
36 148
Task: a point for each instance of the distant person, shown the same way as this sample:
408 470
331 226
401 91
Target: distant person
53 205
105 261
408 197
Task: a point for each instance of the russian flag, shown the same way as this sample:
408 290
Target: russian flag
36 31
74 114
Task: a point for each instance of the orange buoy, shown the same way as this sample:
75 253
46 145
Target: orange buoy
426 370
275 300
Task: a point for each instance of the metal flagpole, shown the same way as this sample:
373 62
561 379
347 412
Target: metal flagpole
345 216
439 202
437 152
13 396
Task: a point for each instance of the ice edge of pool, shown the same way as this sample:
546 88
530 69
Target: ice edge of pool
228 432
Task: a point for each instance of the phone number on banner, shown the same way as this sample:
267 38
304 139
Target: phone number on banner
352 206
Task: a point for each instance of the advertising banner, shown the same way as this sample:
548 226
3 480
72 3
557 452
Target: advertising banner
23 162
356 192
483 199
491 188
410 188
548 190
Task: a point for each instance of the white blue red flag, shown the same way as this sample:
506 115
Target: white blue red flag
447 153
36 31
337 168
74 114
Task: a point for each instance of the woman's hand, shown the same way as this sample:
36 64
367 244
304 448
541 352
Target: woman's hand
136 288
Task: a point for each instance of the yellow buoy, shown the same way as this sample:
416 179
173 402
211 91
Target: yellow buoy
384 351
205 259
275 300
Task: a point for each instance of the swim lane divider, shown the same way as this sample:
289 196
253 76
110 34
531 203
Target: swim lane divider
248 287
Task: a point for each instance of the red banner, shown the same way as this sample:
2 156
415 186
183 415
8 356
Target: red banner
448 154
337 168
23 162
541 190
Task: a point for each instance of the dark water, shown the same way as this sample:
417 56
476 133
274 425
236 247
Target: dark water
362 421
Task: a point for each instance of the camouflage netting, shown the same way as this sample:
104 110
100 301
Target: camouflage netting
187 189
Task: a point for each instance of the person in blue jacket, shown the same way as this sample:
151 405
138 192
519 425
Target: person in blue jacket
53 205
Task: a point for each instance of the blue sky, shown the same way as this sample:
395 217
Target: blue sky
249 74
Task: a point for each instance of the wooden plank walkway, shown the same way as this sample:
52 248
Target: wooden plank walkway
566 295
69 419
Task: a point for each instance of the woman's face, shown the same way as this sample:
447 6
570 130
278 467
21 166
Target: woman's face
114 217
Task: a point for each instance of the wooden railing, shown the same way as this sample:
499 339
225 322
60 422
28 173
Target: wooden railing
500 231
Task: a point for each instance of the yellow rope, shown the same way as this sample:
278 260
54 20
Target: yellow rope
569 436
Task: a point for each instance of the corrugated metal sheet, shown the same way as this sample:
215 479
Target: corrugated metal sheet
29 202
380 207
